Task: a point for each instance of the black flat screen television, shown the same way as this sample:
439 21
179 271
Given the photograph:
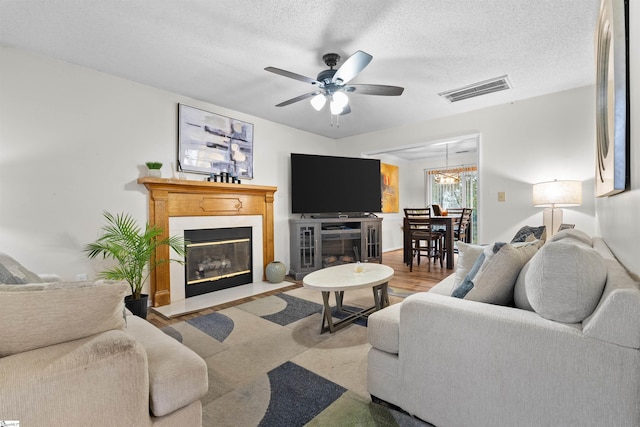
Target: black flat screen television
335 185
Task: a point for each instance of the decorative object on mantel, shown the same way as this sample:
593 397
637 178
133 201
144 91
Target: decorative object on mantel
133 248
275 272
225 177
555 194
154 169
612 99
210 143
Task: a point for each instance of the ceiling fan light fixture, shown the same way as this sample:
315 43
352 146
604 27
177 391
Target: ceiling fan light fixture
335 108
339 100
318 101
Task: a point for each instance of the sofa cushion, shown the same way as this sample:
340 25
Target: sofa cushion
529 234
14 273
39 315
383 329
494 274
565 280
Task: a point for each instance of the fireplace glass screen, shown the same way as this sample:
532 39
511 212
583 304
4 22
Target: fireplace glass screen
217 259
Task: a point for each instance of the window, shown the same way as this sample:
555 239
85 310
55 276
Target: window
458 189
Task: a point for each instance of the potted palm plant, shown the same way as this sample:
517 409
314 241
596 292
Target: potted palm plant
133 248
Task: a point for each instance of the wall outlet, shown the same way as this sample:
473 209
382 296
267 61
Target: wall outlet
81 277
502 196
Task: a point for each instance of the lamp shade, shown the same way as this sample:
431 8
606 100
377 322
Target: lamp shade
557 193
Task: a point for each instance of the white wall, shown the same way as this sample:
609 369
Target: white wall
539 139
73 142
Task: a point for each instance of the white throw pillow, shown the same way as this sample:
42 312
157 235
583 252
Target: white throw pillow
467 256
40 315
565 280
494 274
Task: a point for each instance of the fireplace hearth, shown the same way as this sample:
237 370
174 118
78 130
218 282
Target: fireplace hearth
217 258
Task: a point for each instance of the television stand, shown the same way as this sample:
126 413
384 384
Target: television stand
324 242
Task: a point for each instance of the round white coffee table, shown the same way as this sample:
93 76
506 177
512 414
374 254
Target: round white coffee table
343 278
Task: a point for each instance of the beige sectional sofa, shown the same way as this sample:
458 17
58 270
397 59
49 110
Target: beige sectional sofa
556 356
70 355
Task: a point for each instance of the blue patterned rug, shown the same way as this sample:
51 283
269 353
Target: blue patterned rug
270 366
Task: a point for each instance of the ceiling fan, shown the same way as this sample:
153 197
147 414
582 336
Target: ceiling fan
332 84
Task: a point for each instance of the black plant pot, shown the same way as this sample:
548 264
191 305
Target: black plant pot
137 306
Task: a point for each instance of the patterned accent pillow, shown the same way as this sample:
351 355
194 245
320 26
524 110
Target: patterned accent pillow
13 273
493 276
529 234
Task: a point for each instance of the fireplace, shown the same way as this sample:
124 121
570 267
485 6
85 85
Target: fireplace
217 258
186 199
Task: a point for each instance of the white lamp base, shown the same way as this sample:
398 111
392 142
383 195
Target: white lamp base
552 218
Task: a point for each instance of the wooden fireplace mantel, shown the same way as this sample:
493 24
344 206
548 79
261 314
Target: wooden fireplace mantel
175 198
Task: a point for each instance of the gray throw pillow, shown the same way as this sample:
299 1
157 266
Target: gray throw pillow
572 233
565 281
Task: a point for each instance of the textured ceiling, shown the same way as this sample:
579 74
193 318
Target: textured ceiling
216 51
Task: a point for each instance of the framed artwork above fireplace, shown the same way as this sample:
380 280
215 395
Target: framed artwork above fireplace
209 143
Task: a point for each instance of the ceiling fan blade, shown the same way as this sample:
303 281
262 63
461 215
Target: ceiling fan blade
375 90
352 66
299 98
346 110
291 75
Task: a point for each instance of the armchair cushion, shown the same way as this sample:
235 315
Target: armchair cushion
39 315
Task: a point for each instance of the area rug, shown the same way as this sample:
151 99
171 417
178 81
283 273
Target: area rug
269 365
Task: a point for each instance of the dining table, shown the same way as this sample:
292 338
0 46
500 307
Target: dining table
448 223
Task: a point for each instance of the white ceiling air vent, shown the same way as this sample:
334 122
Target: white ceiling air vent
477 89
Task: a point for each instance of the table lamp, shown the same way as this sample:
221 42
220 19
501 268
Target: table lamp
555 194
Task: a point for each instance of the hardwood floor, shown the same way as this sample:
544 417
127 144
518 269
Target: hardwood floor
419 280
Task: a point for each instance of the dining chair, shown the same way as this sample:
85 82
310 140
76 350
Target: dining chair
423 239
462 225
